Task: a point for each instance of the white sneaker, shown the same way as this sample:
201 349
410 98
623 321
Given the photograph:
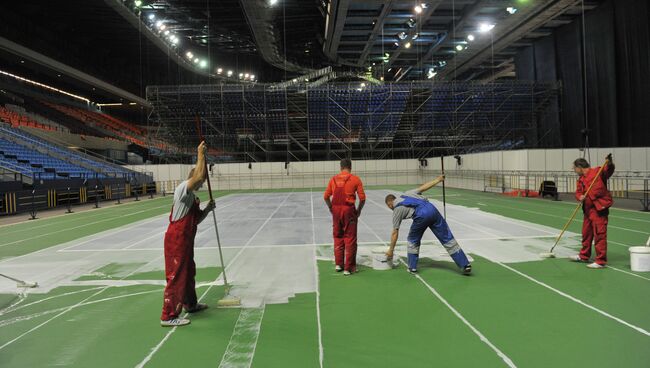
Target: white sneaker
175 322
576 258
347 273
595 266
338 268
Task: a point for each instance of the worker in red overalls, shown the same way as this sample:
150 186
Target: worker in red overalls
342 189
595 206
179 247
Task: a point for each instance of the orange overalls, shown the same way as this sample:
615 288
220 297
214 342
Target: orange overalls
596 213
344 219
179 264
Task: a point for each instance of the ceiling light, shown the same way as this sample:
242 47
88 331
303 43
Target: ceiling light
363 85
401 35
381 78
511 10
418 9
410 23
396 44
273 2
159 23
166 32
152 16
241 75
252 76
407 45
459 47
229 73
189 55
246 75
138 3
203 64
219 70
415 36
196 60
295 80
25 80
162 27
470 37
175 40
485 27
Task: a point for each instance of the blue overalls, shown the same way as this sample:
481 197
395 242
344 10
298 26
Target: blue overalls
427 216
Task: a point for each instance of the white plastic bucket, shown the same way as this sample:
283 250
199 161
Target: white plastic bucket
379 261
640 259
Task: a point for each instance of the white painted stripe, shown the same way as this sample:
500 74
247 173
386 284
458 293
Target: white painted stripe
317 284
629 273
243 340
478 333
6 310
574 299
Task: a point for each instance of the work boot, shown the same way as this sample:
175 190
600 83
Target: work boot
338 268
595 266
467 270
347 273
577 258
175 322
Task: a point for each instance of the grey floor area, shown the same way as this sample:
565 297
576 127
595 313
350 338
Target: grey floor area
271 242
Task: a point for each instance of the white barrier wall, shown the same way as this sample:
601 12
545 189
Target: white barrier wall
471 174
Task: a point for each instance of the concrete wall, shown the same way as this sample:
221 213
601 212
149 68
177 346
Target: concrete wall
503 169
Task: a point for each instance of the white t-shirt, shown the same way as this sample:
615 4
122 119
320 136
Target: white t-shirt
183 201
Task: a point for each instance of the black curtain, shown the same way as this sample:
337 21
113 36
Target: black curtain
633 71
616 71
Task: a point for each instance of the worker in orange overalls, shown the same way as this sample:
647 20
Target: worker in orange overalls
341 196
180 269
595 206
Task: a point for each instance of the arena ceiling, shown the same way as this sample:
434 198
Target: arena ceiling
135 43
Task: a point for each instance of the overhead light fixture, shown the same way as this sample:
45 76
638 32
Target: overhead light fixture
203 64
241 75
138 3
159 23
252 77
418 9
273 2
44 86
166 32
381 78
485 27
415 36
219 70
470 37
407 45
152 16
511 9
162 27
294 80
230 73
175 40
431 73
189 55
363 85
246 76
459 47
396 44
196 61
401 35
410 22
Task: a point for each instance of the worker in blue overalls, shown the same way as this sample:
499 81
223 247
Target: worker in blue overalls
413 205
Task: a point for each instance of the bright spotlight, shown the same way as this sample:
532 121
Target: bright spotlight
162 27
189 55
401 35
273 2
246 75
252 76
196 60
138 3
418 9
230 73
363 85
203 64
159 23
407 45
241 75
166 32
511 9
459 47
470 37
152 16
219 70
485 27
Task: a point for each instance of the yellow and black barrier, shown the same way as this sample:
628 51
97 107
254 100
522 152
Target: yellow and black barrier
83 195
10 203
108 192
51 198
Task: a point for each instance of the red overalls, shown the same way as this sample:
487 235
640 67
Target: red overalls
344 219
596 212
179 263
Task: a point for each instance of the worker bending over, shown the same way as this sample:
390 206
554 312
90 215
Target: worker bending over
413 205
179 247
340 197
595 207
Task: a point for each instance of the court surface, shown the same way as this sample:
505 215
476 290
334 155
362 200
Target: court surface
100 289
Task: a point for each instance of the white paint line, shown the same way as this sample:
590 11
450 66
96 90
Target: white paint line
5 311
629 273
318 318
241 350
574 299
478 333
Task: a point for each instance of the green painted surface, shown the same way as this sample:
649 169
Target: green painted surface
372 319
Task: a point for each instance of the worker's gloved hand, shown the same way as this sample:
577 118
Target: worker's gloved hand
211 206
582 198
609 158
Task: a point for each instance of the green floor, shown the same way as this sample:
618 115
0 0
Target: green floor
537 314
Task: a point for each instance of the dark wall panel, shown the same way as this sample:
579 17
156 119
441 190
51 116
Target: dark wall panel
568 43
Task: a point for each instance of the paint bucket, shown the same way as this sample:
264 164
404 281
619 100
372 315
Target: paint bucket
379 261
640 259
